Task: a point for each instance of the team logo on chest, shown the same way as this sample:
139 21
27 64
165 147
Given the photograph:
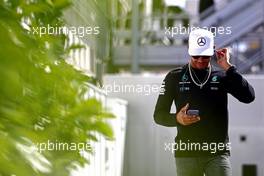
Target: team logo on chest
184 84
214 79
214 83
184 78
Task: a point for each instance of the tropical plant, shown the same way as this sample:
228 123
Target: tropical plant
42 98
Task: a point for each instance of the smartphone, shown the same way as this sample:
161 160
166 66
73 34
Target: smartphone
193 112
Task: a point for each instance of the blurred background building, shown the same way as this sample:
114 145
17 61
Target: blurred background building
157 50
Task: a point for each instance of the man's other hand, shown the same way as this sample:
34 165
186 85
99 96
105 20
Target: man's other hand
223 57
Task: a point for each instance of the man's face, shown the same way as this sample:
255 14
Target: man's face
200 62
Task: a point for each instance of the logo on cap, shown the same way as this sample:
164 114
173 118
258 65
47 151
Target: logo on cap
201 41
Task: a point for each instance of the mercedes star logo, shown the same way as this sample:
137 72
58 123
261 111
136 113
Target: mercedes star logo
201 41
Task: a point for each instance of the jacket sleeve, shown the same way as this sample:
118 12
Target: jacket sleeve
162 115
238 86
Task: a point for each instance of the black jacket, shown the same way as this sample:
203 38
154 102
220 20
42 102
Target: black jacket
211 101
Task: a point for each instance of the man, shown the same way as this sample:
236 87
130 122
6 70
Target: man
200 96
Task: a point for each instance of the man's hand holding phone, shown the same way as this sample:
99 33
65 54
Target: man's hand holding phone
187 119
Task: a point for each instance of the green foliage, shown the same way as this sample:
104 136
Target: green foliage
41 96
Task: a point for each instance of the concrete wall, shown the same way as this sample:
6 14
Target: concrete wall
108 155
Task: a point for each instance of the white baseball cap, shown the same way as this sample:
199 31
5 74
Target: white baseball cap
201 43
